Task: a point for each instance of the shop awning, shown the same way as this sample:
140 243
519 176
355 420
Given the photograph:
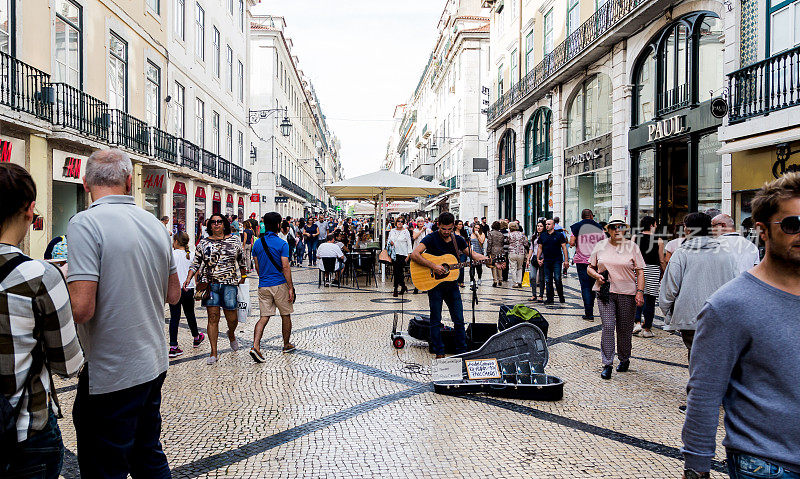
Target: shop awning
229 199
241 201
436 202
200 193
179 188
760 141
217 196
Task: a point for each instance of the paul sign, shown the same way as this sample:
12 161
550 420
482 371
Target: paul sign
666 128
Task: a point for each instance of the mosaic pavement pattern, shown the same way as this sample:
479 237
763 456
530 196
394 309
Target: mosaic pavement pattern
345 404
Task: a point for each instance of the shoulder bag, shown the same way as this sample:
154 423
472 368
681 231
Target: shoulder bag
278 267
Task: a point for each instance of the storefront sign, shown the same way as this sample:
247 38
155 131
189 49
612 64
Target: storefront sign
780 168
538 169
506 179
68 167
217 196
12 150
589 155
281 199
154 181
241 201
255 198
200 193
265 199
179 188
666 128
719 107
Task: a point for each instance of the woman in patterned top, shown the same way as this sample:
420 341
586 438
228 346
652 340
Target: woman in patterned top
517 246
219 261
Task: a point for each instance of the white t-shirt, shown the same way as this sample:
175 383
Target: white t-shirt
745 251
673 245
329 250
183 265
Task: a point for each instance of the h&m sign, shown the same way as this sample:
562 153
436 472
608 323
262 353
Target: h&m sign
68 167
72 167
154 181
666 128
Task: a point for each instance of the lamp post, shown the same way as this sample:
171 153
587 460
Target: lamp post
433 149
257 115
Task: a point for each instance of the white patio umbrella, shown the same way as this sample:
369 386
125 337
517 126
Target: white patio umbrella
380 186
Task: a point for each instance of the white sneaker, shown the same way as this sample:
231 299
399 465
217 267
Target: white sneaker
479 282
637 328
647 334
211 360
235 345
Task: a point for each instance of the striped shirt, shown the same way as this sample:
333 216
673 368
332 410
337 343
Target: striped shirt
40 283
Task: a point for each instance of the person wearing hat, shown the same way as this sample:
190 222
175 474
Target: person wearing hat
617 261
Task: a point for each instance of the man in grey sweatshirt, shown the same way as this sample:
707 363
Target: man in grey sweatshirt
746 355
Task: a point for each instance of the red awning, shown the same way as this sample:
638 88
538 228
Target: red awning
179 188
229 199
217 196
200 193
241 201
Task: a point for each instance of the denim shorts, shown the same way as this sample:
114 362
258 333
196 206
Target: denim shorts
224 296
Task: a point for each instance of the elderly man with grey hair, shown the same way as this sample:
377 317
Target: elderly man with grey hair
745 251
121 272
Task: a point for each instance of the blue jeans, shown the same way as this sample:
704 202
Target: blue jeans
119 432
552 270
586 290
743 466
312 251
39 456
649 311
449 293
224 296
300 252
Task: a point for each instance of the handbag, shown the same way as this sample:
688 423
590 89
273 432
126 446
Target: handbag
384 257
202 290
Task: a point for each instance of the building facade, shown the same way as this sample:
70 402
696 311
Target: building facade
80 75
441 133
295 152
607 106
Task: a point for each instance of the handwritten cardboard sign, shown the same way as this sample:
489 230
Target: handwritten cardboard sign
447 369
482 368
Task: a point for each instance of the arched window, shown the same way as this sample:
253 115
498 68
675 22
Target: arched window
507 152
589 111
538 134
665 76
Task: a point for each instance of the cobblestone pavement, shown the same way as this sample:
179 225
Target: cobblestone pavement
343 405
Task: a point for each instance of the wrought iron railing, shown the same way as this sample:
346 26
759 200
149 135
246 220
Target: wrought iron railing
603 20
190 155
209 163
223 169
25 88
769 85
128 131
236 175
673 99
165 146
246 179
76 110
285 183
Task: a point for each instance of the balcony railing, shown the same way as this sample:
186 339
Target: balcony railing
769 85
236 175
223 169
76 110
25 88
190 155
285 183
673 99
451 183
129 132
209 163
165 146
246 177
604 19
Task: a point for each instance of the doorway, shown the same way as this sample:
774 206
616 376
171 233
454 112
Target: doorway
673 186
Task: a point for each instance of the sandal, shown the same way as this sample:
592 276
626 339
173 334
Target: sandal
289 348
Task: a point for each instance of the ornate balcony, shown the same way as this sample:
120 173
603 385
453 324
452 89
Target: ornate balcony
25 88
128 131
769 85
79 111
165 146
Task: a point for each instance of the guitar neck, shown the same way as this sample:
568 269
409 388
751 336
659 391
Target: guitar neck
466 264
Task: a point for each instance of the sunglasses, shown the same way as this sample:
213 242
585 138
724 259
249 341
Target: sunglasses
216 222
789 225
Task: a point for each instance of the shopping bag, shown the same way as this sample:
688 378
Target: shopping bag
243 300
526 279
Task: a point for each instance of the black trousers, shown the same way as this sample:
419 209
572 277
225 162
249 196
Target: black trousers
187 303
399 271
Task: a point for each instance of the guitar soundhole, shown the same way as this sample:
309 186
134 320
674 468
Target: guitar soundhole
442 276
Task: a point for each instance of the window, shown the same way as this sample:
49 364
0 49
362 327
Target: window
155 6
117 73
589 112
548 32
152 94
645 89
538 134
180 19
229 59
513 68
507 152
200 33
711 43
573 15
240 84
68 43
200 120
6 26
241 148
241 15
784 27
217 61
529 52
229 141
180 101
597 5
215 132
500 81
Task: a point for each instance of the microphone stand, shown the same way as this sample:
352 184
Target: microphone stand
473 282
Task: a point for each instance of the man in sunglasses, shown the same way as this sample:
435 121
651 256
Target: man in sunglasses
746 357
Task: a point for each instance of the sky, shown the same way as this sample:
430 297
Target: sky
363 57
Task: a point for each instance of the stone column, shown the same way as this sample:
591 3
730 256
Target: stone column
620 119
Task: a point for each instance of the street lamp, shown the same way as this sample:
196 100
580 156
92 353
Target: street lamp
286 126
433 149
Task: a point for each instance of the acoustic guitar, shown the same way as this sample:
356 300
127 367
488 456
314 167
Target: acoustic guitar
425 278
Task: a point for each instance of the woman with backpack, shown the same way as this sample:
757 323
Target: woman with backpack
30 439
